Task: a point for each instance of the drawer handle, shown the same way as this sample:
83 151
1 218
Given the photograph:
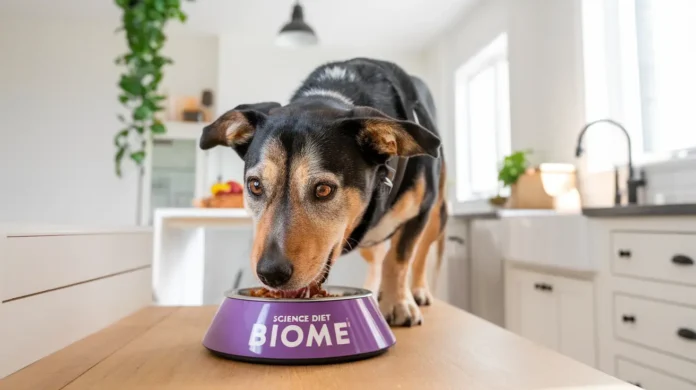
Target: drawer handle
543 286
624 253
682 260
629 318
456 239
686 333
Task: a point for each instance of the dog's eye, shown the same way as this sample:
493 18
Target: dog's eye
254 186
322 191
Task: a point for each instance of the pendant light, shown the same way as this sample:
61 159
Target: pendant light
296 33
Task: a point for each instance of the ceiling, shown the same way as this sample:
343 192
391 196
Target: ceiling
395 24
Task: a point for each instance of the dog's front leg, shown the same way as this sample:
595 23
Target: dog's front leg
374 256
396 302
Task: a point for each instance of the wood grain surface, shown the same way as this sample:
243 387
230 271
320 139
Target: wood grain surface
160 348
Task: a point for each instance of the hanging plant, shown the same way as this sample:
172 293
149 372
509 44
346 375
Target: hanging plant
143 22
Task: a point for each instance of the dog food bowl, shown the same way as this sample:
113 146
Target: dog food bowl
341 328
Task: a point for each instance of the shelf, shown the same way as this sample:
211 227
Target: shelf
182 130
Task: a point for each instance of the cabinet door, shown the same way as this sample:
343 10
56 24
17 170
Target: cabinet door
576 315
554 311
487 286
457 263
532 310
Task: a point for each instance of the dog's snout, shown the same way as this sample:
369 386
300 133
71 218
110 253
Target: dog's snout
274 270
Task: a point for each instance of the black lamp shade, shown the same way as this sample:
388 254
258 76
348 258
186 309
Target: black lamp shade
297 32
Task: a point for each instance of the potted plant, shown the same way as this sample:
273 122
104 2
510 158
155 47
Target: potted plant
512 168
143 22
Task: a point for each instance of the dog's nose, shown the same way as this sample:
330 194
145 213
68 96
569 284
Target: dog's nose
274 271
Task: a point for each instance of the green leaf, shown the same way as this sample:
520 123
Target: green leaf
182 17
141 113
513 166
158 128
130 85
161 5
118 158
138 157
120 138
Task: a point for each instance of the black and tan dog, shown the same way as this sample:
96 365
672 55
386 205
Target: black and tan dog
353 161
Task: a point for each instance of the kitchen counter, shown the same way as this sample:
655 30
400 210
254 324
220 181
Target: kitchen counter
510 213
641 211
181 250
160 348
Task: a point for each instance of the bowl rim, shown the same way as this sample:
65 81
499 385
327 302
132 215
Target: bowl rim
356 294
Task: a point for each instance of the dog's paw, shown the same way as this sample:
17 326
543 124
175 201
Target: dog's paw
400 312
422 296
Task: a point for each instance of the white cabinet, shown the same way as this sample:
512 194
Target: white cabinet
457 269
646 299
648 378
486 259
177 171
554 311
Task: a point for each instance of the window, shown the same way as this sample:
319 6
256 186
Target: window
482 121
640 68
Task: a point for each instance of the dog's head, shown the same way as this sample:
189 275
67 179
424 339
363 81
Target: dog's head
310 171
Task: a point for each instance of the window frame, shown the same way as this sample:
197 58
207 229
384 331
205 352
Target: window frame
494 55
613 87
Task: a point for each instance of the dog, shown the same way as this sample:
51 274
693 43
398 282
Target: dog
353 161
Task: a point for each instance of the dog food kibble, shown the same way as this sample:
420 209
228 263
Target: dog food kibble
311 292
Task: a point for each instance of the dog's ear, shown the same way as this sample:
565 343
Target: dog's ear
384 136
236 127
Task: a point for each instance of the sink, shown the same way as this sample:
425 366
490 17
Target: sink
559 241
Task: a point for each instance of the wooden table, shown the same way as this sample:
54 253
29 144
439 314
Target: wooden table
160 348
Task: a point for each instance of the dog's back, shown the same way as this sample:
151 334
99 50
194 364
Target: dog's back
414 213
379 84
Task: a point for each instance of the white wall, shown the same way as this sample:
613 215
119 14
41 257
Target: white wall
546 77
545 58
454 47
256 74
58 105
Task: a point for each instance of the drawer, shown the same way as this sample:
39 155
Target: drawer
34 327
649 378
662 326
40 263
668 257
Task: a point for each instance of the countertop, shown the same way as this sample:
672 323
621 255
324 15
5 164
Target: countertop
641 211
30 230
511 213
199 217
160 348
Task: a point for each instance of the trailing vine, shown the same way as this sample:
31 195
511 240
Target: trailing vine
143 22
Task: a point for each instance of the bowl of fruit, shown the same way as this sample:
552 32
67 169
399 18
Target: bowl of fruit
228 194
308 326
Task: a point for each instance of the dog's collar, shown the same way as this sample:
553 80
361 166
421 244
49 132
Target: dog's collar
396 166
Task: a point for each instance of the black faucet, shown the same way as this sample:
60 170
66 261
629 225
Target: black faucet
632 183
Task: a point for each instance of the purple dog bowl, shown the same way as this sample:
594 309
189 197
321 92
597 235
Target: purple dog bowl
344 328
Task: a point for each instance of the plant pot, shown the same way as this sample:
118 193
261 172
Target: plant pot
529 193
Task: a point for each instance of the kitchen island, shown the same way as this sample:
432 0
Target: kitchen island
184 263
160 348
